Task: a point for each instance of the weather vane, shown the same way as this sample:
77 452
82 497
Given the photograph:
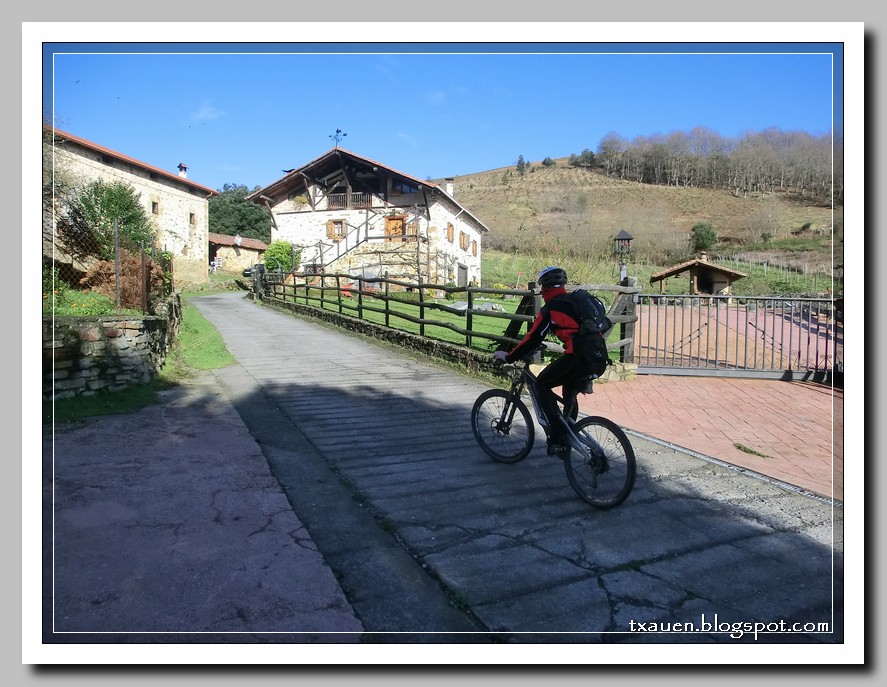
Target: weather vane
338 136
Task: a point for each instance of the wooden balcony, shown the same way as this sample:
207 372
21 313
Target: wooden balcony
339 201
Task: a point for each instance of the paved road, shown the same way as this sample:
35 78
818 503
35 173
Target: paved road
432 541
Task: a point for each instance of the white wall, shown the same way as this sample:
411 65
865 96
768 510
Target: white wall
304 228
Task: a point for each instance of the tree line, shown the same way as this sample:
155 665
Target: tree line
760 162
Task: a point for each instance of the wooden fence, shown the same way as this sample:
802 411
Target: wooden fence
481 319
767 337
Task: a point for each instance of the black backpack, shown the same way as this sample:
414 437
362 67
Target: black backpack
589 343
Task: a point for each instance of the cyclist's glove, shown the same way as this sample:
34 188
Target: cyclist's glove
499 356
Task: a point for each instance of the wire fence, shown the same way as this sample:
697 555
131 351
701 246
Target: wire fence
103 270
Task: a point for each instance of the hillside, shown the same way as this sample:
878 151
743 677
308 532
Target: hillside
578 211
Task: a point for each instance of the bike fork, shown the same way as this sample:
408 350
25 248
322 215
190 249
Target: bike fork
590 450
510 408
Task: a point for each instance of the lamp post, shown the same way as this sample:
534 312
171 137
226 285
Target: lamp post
622 248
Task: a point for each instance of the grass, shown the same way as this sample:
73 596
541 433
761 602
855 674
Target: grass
750 451
70 302
198 346
581 210
508 268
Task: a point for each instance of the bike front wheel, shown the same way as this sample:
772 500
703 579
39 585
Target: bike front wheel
503 426
606 478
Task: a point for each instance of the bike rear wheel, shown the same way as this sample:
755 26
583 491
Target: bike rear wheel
503 426
604 480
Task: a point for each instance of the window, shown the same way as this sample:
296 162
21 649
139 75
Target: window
155 207
192 219
403 187
413 229
474 248
463 240
335 229
451 231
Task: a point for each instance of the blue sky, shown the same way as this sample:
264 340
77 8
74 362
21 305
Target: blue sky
242 113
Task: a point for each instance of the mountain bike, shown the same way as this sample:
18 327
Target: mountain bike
600 461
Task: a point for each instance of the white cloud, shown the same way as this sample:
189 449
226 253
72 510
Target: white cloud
206 112
409 139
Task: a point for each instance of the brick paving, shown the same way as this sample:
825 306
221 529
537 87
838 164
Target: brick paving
797 426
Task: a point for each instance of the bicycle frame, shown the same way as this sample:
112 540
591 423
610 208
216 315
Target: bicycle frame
523 377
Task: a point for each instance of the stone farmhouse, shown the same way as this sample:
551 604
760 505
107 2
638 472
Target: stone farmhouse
178 207
351 215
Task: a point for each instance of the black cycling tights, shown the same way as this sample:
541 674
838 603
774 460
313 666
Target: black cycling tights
562 372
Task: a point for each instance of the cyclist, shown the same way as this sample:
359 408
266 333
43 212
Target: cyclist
557 316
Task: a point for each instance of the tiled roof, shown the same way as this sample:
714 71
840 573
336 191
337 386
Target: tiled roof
690 264
65 136
225 240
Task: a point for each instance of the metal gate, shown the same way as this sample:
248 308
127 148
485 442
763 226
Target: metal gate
784 338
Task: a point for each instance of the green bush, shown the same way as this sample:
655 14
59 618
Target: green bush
280 257
703 236
406 296
86 222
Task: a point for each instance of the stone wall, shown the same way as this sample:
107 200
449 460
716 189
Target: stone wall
178 208
83 356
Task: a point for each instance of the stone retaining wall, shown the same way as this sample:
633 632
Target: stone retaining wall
86 355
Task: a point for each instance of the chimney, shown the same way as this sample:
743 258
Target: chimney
183 170
703 256
448 186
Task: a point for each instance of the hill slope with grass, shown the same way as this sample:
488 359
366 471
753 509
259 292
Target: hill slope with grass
572 211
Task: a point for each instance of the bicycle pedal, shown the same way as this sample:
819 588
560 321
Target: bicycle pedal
558 450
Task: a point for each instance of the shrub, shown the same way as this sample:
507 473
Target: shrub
86 222
406 296
280 257
703 236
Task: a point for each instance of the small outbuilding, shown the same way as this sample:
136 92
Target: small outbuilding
233 253
705 277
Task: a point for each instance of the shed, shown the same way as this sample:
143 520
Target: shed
234 253
705 277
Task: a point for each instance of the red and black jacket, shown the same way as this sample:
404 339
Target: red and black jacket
559 317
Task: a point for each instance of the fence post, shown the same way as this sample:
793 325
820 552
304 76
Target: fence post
117 264
145 281
469 323
626 329
257 279
421 307
360 297
387 318
339 292
537 306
